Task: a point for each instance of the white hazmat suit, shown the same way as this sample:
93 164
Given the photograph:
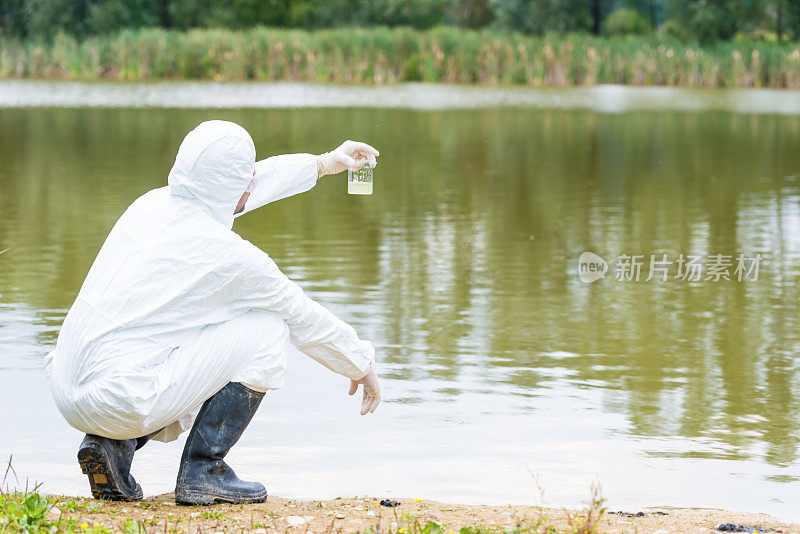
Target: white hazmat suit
176 304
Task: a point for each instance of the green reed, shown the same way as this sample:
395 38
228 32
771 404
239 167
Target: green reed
383 55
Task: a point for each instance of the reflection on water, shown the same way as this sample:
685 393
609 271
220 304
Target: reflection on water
461 268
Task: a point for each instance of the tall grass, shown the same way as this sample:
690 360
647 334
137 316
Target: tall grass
384 55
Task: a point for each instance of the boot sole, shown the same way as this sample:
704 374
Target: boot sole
190 498
94 463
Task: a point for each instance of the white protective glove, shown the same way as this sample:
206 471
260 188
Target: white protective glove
372 391
349 155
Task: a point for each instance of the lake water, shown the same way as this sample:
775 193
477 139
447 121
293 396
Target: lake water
503 372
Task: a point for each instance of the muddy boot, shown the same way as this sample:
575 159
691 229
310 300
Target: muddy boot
108 463
204 477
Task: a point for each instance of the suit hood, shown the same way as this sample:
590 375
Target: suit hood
214 165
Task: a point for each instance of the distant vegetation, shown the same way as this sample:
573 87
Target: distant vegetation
692 43
386 55
704 21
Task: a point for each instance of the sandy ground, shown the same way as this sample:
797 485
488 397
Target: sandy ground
160 514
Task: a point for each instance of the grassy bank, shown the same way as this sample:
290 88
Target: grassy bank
383 55
56 514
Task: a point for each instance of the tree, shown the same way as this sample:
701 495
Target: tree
541 15
48 17
416 13
792 18
626 21
472 13
784 16
652 9
13 18
597 16
106 16
712 20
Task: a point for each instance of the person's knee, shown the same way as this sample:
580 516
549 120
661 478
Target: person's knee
263 371
261 340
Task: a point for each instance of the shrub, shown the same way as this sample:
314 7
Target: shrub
673 29
625 21
388 55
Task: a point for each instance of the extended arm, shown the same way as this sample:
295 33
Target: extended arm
283 176
314 330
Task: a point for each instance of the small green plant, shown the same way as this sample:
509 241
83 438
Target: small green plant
69 524
413 526
24 512
131 526
72 526
70 505
212 514
587 520
79 506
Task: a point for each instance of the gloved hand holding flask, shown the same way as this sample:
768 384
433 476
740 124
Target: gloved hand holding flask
349 155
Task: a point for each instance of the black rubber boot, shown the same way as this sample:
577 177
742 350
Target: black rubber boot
204 477
108 463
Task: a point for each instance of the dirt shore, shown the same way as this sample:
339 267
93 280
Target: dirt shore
160 514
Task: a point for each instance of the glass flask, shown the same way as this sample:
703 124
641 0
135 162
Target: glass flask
359 182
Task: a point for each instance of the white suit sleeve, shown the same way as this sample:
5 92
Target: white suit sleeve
280 177
314 330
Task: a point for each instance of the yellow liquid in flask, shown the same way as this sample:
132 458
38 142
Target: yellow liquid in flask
359 188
